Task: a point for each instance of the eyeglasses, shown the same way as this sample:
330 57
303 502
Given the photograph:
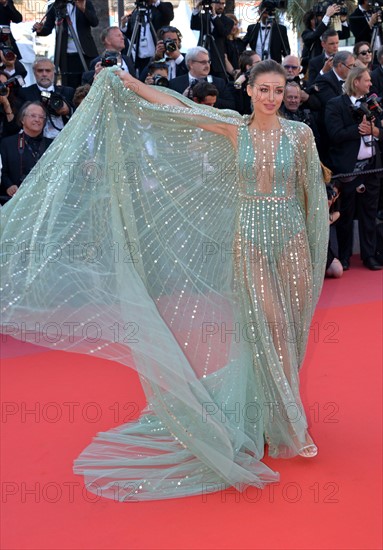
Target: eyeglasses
202 62
349 66
36 117
365 52
294 67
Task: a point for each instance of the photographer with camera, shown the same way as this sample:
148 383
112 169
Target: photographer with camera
9 104
157 74
317 21
364 20
82 17
113 40
56 99
354 134
208 17
292 110
267 37
168 50
247 60
8 14
146 19
20 153
308 98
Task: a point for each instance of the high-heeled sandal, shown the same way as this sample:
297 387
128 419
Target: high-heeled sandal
308 451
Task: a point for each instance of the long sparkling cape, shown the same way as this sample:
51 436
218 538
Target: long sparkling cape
120 244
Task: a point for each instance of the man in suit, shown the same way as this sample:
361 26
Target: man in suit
113 40
316 25
362 22
168 37
216 24
158 14
328 86
198 62
8 14
268 39
353 148
20 153
82 16
322 63
44 71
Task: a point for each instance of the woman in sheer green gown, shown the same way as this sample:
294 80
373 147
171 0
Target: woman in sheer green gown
187 243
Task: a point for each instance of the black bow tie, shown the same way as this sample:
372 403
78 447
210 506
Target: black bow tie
195 81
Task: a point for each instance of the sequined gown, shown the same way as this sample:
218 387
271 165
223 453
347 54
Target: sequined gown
142 238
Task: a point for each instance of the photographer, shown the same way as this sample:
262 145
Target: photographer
322 63
267 38
82 16
242 99
308 98
154 14
9 106
317 22
20 153
208 17
168 50
204 93
59 104
113 40
362 22
8 14
292 109
354 136
157 74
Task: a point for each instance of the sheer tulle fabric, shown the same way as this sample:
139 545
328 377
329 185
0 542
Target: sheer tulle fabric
136 239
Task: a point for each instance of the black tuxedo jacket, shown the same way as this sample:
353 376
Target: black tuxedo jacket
9 13
15 165
32 93
160 17
222 26
328 87
225 90
84 21
315 67
312 44
377 81
344 136
359 26
128 60
279 42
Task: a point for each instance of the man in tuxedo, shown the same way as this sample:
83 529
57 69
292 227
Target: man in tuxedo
20 153
198 62
354 148
330 85
362 22
216 24
168 37
113 40
293 68
322 63
268 39
316 25
44 71
82 17
157 14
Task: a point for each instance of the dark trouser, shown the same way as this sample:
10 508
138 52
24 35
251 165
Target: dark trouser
72 69
364 207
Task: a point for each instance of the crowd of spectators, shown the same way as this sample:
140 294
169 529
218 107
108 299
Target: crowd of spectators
326 89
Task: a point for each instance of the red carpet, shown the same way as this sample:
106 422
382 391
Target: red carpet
330 502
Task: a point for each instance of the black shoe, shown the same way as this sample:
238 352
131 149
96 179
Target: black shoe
372 263
345 264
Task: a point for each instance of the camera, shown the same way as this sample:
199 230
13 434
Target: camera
142 5
5 43
110 58
320 8
332 192
52 101
369 107
13 82
269 6
170 45
159 80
